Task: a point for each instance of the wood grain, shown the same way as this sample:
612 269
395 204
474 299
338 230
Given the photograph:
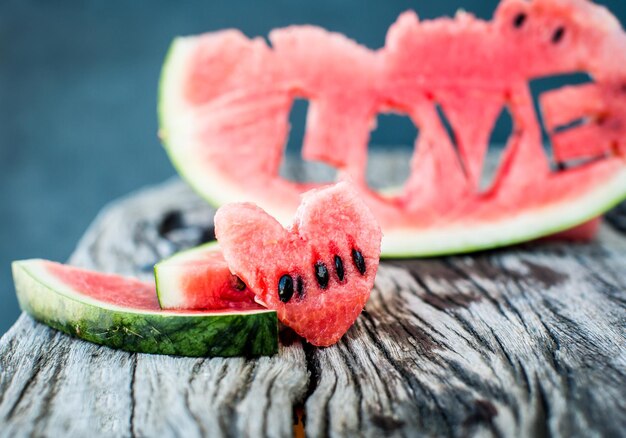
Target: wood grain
526 341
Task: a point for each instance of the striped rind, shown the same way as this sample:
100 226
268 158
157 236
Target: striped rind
524 226
196 334
167 284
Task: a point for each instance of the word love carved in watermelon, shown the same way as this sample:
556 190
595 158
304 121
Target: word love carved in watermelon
225 101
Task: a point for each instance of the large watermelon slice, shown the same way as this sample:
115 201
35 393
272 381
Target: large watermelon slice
124 313
225 101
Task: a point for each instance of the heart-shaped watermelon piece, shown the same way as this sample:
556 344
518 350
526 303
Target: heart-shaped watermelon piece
317 273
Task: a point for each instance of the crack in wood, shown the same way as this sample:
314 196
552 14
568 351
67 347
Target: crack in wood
52 385
133 402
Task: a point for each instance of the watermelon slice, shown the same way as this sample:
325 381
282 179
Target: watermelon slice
318 273
225 100
124 313
199 278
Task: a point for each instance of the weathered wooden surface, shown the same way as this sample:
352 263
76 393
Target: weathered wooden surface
526 341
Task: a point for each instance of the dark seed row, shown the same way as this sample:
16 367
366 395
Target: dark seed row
358 260
338 267
285 288
300 286
557 35
286 283
321 274
239 284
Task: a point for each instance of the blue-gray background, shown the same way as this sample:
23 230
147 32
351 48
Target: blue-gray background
78 84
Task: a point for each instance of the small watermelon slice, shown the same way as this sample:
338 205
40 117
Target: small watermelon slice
317 274
124 313
225 100
198 279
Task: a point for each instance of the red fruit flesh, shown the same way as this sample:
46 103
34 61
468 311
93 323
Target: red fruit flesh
112 289
200 279
330 222
581 233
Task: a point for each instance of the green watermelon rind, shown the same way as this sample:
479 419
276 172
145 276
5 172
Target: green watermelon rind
522 228
397 243
222 334
170 113
166 82
176 258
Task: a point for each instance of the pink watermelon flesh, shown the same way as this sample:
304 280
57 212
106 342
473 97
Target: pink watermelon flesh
601 107
107 288
123 292
309 273
581 233
201 279
225 101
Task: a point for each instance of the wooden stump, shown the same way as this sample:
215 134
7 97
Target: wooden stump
525 341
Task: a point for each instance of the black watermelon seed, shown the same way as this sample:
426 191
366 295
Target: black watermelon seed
239 284
300 287
339 267
171 221
321 274
519 20
558 34
285 288
358 260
